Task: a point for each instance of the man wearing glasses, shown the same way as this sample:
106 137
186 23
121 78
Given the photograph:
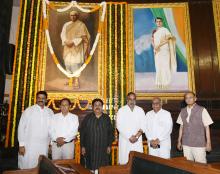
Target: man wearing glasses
194 133
64 129
159 127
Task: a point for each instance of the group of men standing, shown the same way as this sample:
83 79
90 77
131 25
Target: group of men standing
39 127
132 123
194 133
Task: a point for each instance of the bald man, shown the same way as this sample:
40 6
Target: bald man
194 132
75 39
158 129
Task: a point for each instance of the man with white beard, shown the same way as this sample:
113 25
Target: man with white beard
33 132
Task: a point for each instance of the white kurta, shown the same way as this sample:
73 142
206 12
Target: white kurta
165 57
74 56
33 134
159 125
66 127
128 124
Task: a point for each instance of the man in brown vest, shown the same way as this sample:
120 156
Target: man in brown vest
194 132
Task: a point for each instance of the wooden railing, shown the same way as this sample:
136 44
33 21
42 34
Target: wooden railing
114 153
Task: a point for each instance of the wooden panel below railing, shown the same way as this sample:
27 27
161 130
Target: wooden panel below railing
114 152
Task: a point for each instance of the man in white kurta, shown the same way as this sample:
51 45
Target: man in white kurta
75 39
64 129
130 124
158 129
164 54
33 132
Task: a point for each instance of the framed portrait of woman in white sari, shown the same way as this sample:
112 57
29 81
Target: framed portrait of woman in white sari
160 57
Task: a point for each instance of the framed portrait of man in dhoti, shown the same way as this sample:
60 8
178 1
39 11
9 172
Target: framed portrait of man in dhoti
160 56
73 52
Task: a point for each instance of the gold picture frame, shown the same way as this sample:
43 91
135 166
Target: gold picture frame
79 95
216 13
176 95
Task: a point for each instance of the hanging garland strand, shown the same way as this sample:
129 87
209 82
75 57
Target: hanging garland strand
124 61
110 61
17 108
34 53
27 65
15 72
122 55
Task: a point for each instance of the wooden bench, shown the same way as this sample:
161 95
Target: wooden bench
46 166
140 163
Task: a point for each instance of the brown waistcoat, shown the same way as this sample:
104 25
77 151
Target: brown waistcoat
194 130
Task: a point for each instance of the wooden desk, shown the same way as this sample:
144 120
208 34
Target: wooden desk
46 166
71 164
215 165
149 162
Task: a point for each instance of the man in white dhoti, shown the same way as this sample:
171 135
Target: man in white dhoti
33 132
158 129
130 124
63 132
164 54
75 39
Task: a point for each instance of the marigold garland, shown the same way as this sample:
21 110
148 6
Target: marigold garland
34 54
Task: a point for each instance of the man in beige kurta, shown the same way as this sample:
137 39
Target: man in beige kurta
75 39
164 54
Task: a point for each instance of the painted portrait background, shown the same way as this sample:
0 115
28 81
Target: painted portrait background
55 80
144 23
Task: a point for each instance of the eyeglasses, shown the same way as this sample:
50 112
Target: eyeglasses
156 103
188 98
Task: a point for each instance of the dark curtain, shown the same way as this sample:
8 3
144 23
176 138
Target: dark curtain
5 23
